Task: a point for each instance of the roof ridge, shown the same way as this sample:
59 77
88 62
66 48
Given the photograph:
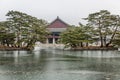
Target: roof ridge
59 20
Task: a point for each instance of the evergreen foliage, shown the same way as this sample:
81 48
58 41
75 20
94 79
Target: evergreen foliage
75 36
25 28
105 26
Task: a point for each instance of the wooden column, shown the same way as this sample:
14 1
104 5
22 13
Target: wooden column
53 40
47 42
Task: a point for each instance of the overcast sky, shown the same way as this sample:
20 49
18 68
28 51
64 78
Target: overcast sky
70 11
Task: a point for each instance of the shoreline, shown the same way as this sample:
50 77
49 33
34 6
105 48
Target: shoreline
77 49
95 48
14 49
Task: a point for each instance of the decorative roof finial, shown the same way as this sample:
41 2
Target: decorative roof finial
57 17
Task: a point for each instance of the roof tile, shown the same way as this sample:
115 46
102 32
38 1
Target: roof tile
58 23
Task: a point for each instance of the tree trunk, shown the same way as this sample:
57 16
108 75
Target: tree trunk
112 37
81 44
87 44
18 39
105 41
101 39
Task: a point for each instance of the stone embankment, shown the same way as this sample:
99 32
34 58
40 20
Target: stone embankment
61 47
95 48
4 48
58 46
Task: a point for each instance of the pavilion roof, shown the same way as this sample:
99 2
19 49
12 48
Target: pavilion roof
58 23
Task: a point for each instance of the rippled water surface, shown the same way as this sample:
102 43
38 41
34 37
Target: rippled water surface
59 65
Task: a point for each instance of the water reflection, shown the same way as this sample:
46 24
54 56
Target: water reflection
59 65
96 54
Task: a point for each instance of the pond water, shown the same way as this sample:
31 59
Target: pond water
59 65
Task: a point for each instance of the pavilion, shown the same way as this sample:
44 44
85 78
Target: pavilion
55 28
